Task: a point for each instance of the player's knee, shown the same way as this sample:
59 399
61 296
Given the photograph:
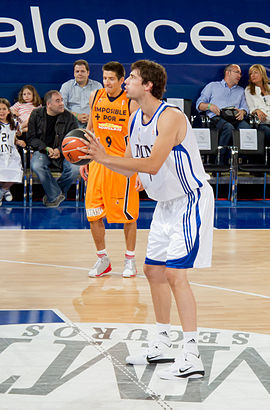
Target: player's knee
155 274
147 271
177 277
151 274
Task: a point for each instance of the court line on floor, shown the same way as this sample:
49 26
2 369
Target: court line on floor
230 290
138 276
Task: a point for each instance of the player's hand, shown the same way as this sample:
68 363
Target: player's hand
138 184
94 151
89 135
84 172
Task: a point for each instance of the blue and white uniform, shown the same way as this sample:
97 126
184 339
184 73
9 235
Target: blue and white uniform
182 227
10 160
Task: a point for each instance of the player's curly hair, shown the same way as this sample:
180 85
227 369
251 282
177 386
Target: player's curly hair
153 72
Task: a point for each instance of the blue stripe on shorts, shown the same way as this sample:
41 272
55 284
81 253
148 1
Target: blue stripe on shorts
149 261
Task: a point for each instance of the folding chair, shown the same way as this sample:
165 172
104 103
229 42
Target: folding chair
207 140
250 144
183 103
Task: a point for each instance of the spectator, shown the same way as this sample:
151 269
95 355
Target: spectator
108 193
10 160
221 94
258 97
47 127
76 92
28 100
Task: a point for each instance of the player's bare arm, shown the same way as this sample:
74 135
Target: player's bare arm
84 168
171 132
91 99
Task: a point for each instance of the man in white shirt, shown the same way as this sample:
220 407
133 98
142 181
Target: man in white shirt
76 92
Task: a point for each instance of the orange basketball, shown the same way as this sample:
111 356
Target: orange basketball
73 140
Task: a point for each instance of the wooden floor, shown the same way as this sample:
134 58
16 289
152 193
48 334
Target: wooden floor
48 269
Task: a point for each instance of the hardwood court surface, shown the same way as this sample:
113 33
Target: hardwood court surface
48 269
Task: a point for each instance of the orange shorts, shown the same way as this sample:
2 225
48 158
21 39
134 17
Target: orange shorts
110 194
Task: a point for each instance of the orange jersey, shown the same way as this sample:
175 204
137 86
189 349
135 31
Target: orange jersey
108 193
110 121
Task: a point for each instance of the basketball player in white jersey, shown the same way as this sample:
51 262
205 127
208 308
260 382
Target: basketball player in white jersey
163 150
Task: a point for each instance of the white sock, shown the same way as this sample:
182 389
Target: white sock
129 254
163 329
102 253
190 343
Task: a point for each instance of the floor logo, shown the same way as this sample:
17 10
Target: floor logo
44 364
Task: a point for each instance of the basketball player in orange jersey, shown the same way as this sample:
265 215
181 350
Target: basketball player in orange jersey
109 193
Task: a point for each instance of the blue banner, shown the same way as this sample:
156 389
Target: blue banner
39 40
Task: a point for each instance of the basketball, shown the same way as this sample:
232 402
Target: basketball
73 140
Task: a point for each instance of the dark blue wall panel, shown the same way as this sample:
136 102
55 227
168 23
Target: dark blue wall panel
39 40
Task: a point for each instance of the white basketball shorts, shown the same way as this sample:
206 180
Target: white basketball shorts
181 232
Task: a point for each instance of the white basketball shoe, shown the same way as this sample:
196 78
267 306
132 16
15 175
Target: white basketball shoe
102 266
158 352
130 269
188 365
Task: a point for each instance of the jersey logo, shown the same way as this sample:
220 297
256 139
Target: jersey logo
111 127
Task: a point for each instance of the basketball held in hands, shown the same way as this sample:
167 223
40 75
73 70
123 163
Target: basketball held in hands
73 140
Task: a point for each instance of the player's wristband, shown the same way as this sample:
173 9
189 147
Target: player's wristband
208 106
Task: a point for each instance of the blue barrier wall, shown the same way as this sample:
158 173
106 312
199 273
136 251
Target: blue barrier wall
39 40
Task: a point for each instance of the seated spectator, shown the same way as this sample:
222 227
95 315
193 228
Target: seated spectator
221 94
47 127
28 100
76 92
10 160
258 97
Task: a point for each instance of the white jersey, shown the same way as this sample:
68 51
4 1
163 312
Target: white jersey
181 173
10 160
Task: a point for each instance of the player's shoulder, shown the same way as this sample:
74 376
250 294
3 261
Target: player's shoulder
93 95
97 91
171 116
172 111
